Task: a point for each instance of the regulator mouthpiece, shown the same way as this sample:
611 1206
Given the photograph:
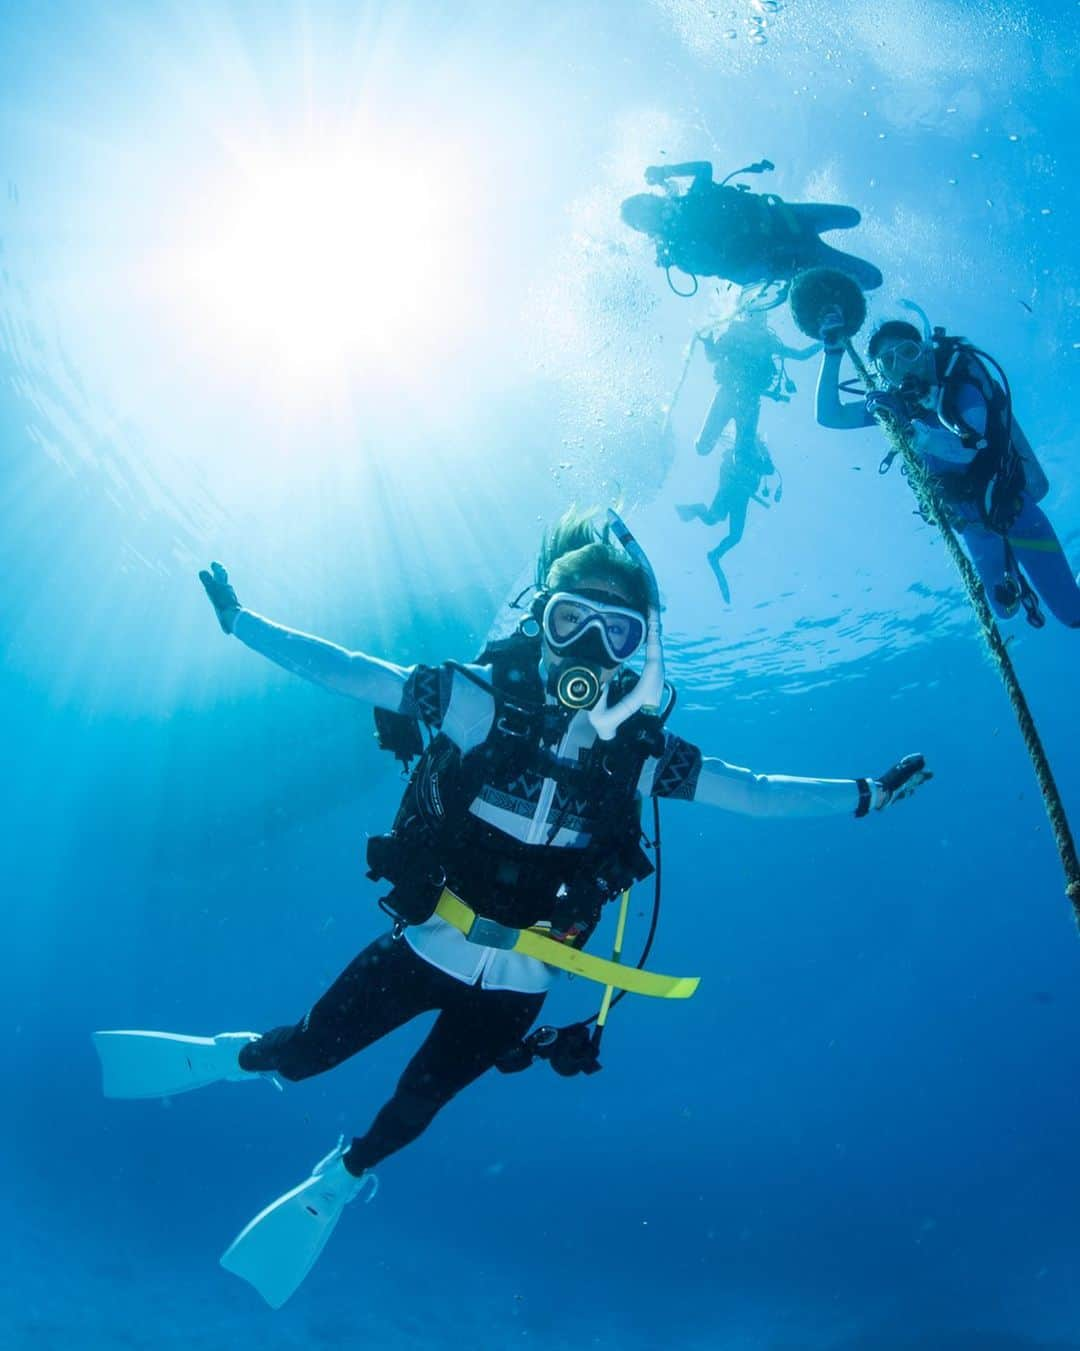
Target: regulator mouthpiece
577 687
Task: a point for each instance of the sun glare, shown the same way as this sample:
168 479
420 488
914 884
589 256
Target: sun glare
316 263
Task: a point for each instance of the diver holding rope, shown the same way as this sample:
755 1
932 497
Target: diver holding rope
954 402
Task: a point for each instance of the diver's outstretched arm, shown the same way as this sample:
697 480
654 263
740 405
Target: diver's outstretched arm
828 409
799 353
699 170
734 789
350 673
353 674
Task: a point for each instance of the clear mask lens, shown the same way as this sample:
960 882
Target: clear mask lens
899 360
568 618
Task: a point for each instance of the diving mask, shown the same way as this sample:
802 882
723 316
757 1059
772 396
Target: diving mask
570 618
901 360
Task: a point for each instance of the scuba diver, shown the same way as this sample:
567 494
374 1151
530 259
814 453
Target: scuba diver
747 358
749 238
518 823
743 479
954 402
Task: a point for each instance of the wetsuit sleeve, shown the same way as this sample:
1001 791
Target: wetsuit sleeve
828 409
441 696
681 771
353 674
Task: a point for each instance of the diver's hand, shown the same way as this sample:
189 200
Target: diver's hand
900 781
222 596
655 175
832 330
889 401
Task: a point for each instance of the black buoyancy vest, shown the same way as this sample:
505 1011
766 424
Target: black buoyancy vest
437 841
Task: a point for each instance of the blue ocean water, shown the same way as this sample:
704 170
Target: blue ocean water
339 294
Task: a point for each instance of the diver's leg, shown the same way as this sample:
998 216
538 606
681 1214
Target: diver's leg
718 573
719 510
720 413
821 216
986 549
812 252
721 503
735 530
1038 551
711 515
738 507
384 987
475 1028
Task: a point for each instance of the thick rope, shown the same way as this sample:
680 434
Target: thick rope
922 485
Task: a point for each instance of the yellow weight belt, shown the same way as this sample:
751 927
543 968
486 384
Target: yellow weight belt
538 943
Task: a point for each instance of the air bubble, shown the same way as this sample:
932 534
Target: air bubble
1046 211
975 155
1013 136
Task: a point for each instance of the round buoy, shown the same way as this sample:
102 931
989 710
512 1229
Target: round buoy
820 289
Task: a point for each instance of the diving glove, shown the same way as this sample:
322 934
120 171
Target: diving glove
900 781
890 402
222 596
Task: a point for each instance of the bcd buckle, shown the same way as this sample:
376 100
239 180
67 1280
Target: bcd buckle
513 721
489 933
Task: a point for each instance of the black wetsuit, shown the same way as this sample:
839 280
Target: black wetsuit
383 988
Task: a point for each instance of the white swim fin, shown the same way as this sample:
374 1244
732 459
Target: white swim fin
281 1244
160 1064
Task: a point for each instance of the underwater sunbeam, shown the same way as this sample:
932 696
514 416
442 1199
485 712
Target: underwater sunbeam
312 263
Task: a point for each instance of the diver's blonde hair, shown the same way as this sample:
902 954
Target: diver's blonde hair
574 550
